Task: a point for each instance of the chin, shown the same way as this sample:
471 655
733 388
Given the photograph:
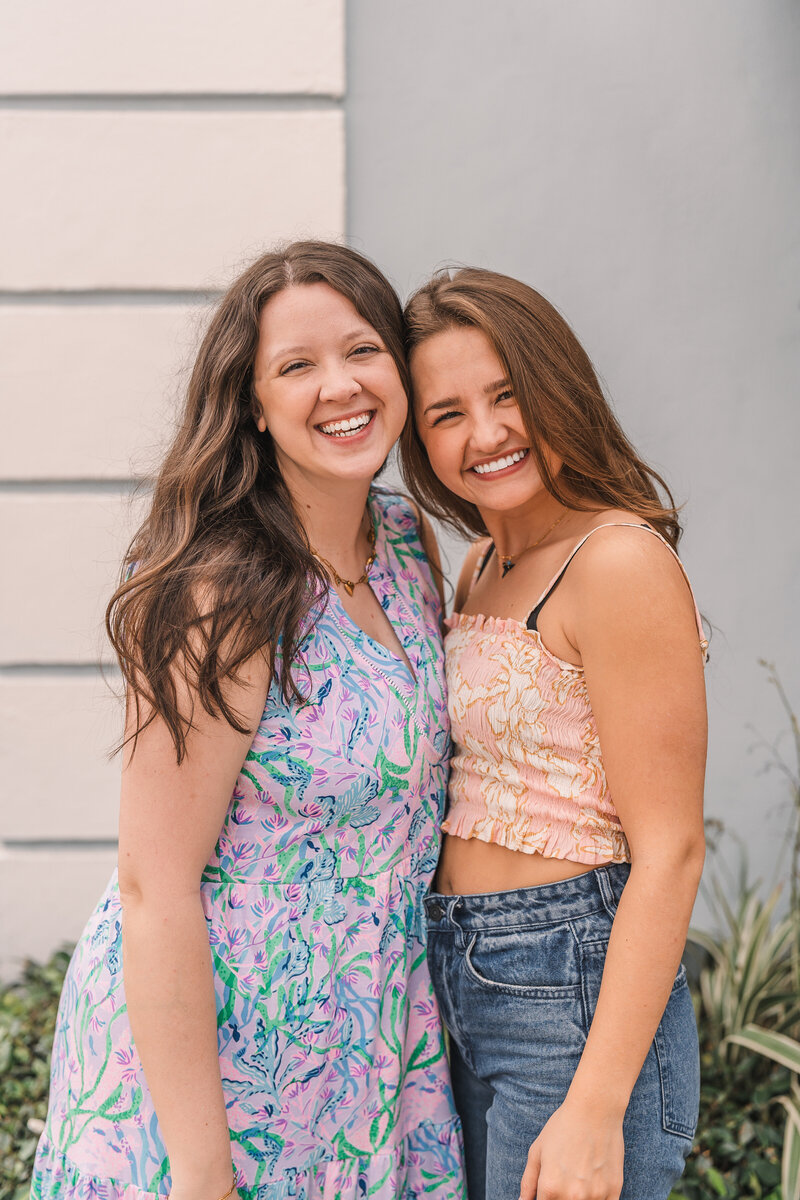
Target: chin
502 499
357 472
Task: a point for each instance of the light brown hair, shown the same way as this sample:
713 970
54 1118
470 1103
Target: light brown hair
221 567
559 397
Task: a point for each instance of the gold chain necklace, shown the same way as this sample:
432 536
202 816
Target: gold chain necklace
350 585
510 560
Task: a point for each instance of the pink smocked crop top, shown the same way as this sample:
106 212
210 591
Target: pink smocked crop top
527 771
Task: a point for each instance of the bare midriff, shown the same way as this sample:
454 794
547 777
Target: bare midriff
470 867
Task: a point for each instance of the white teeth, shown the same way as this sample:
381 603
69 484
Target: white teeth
499 464
347 428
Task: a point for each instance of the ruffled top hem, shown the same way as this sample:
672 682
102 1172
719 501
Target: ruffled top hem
559 842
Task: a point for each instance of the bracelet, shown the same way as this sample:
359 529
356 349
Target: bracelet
231 1189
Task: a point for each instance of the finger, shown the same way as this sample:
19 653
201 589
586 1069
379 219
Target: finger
530 1176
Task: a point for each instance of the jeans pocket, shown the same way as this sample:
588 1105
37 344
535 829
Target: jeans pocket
535 963
678 1057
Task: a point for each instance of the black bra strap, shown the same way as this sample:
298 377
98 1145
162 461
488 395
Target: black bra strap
533 616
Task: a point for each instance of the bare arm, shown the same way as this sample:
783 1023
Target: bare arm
640 649
170 819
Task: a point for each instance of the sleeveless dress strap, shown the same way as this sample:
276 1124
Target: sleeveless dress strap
533 616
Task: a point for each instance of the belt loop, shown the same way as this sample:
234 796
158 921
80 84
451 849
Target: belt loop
455 903
606 891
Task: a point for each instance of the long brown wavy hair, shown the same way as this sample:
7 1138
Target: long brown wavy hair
559 396
221 568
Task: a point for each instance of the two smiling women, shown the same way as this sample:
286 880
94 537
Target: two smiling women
253 984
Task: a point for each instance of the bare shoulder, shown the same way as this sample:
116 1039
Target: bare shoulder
630 571
473 556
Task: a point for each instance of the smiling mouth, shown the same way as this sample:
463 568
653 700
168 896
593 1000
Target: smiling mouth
500 464
348 427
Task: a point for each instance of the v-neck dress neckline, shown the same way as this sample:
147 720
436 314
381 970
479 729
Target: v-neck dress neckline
382 580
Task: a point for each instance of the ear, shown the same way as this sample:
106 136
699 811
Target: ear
256 407
257 411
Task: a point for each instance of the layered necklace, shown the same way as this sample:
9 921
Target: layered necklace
350 585
508 561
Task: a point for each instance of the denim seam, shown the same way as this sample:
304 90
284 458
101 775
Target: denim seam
607 893
590 943
506 927
667 1123
585 1006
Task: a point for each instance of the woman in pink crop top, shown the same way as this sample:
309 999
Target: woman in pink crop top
574 842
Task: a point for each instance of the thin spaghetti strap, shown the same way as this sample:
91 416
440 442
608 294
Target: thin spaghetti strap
556 579
697 617
533 617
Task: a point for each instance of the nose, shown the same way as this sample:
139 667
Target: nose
488 432
338 384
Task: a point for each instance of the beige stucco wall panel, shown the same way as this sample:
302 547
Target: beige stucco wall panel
55 737
45 899
62 554
185 46
166 199
91 391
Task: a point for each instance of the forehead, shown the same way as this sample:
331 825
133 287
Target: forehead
305 310
459 359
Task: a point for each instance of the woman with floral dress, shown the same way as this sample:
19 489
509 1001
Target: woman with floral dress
252 988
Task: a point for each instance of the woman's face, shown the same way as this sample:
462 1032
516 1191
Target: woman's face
470 423
328 390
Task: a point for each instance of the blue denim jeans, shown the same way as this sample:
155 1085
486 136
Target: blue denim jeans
517 975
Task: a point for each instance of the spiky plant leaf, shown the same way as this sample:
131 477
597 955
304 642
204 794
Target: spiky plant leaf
777 1046
790 1164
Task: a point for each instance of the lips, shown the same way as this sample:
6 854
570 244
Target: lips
492 466
347 427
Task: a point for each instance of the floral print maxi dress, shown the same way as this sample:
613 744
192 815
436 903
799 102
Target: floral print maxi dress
330 1044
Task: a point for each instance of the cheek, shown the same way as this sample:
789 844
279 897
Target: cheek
444 455
286 417
399 405
390 387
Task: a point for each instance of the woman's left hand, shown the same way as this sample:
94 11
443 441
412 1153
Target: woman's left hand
577 1156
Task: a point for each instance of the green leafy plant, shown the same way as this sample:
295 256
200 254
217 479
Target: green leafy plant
792 776
748 1007
786 1051
747 977
27 1020
750 978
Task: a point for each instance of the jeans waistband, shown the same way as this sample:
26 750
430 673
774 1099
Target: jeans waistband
542 905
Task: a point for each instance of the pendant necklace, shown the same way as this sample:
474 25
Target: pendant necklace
508 561
350 585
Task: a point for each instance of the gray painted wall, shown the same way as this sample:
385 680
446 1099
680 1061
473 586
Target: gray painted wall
637 162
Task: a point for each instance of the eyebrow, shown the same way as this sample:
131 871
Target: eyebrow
451 400
353 336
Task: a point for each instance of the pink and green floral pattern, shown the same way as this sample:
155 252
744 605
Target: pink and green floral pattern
330 1042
